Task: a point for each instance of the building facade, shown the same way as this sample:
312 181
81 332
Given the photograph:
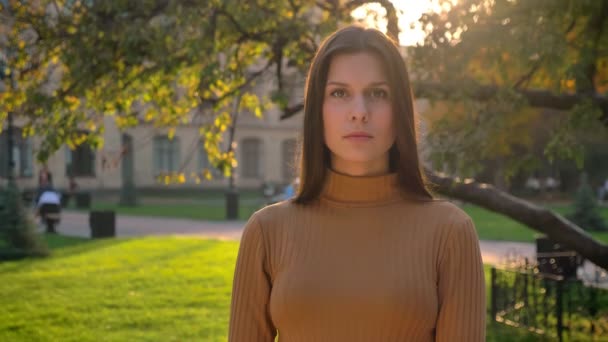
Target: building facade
266 151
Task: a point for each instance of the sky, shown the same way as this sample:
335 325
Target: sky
411 10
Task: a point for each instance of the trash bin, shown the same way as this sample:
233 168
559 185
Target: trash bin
232 205
102 224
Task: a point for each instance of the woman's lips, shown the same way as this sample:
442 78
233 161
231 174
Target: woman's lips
358 137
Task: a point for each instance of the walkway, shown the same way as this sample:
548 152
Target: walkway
77 224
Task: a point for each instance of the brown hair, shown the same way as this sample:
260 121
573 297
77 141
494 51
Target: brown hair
403 155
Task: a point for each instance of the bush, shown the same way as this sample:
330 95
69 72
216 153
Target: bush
18 237
585 213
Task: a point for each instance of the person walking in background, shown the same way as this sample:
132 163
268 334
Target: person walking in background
363 251
48 204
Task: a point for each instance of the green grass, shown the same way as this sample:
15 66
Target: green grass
493 226
144 289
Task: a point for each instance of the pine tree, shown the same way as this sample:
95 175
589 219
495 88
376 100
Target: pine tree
18 236
585 213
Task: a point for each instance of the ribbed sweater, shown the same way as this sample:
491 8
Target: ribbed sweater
361 263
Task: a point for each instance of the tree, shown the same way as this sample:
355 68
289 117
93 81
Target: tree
167 62
493 62
585 209
18 237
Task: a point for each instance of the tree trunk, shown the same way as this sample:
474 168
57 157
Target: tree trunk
128 193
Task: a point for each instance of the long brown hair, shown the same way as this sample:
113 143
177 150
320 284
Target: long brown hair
403 155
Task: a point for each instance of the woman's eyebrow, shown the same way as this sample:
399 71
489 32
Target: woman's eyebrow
337 83
376 84
372 84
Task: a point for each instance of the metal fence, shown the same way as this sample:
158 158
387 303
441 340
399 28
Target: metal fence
550 305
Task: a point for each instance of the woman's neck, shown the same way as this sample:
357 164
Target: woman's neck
360 169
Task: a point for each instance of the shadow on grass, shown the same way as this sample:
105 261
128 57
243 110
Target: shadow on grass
68 246
61 246
58 241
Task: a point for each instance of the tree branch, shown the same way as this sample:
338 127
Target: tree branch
291 111
556 227
526 77
248 81
392 25
535 98
244 34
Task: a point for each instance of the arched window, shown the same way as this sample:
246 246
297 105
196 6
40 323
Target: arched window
166 154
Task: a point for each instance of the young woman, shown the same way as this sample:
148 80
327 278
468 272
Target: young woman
363 252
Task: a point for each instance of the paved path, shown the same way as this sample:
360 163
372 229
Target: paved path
77 224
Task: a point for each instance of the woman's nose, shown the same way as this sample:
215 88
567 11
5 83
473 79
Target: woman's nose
360 109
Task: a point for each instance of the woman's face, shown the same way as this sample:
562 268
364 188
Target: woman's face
358 115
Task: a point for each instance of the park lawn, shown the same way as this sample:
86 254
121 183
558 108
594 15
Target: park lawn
144 289
493 226
194 211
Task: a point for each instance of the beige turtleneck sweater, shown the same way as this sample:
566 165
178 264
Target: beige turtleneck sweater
360 264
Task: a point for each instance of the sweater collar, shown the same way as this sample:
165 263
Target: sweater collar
360 190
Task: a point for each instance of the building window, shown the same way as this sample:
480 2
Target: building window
250 155
203 162
166 155
80 162
289 160
23 154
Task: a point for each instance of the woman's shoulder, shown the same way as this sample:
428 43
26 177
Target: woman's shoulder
445 211
277 212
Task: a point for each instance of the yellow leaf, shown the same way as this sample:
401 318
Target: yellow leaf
149 115
570 84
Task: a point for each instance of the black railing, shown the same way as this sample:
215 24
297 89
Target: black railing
550 305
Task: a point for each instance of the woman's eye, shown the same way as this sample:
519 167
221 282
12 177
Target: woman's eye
378 94
338 93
